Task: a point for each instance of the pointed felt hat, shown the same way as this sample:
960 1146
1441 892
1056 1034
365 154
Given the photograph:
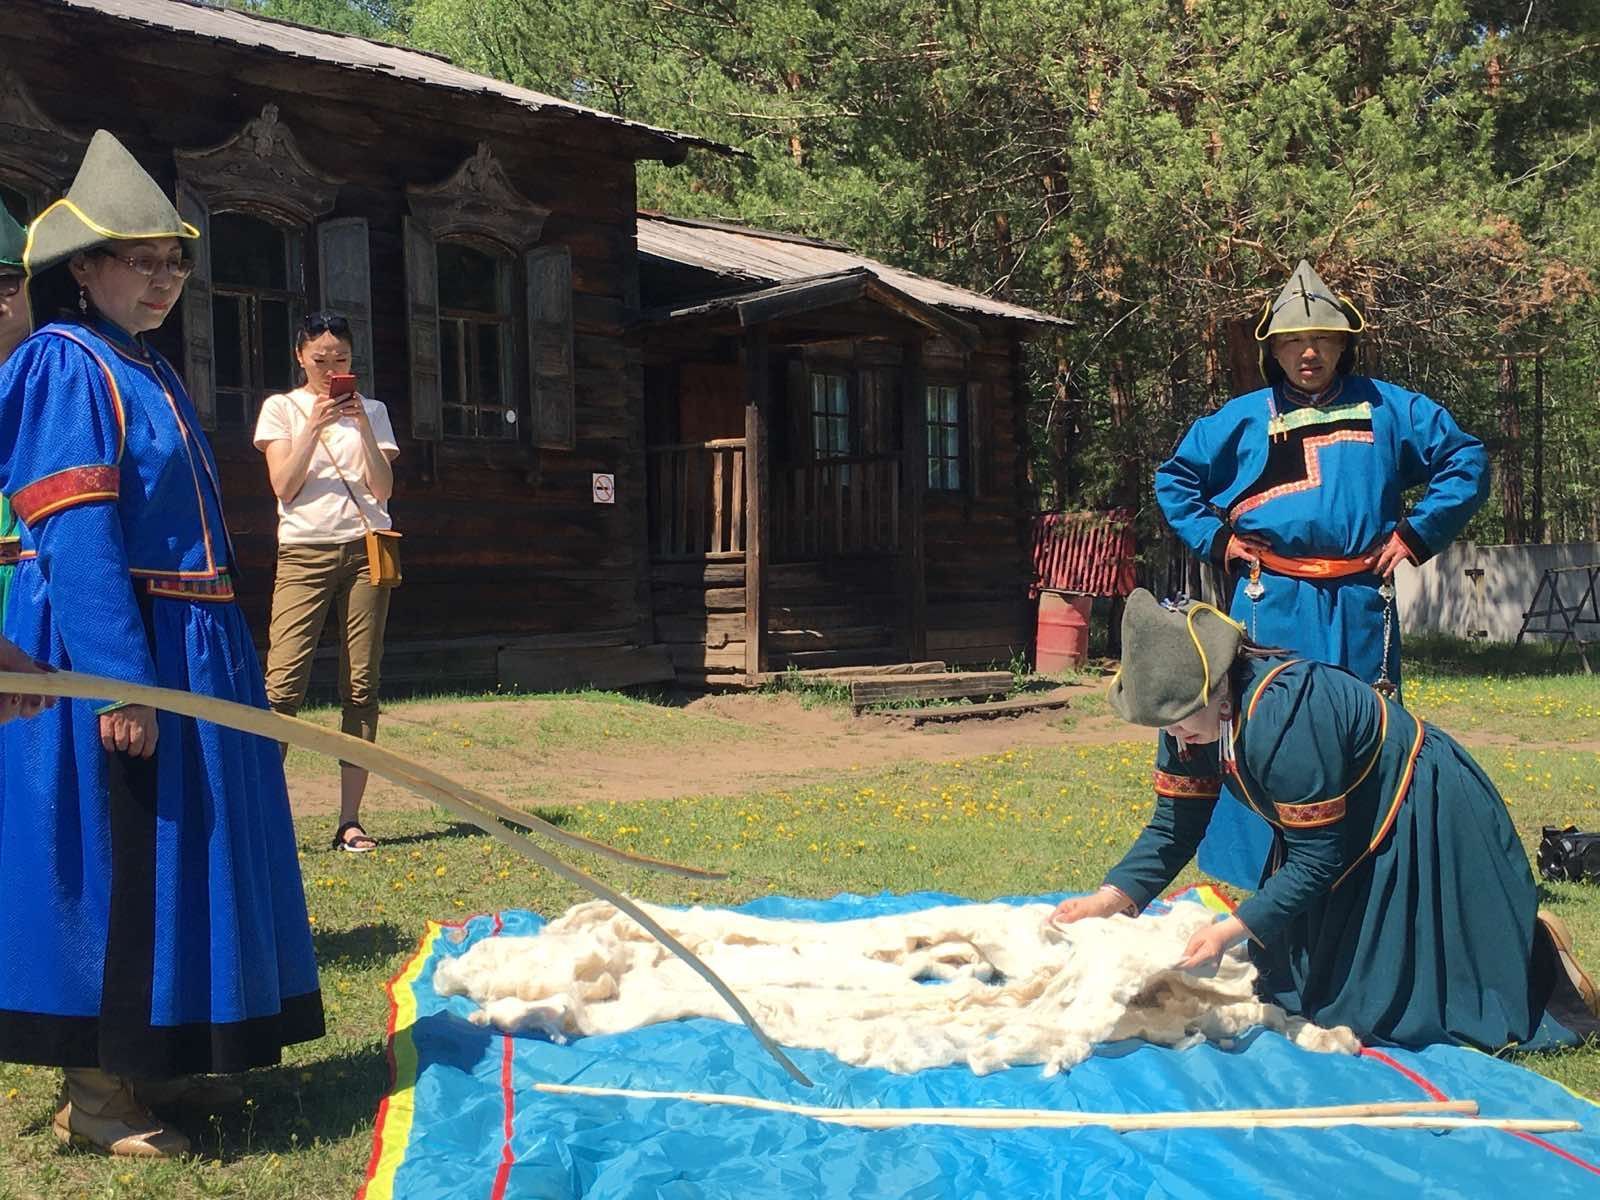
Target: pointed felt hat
112 199
1173 655
13 238
1307 305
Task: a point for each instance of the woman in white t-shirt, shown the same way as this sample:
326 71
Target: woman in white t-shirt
328 458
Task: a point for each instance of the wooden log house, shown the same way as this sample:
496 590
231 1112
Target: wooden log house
484 240
836 456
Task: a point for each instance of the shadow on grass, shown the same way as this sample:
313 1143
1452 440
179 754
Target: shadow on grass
455 829
1442 654
361 944
292 1106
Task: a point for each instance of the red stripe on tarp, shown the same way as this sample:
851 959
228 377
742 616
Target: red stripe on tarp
508 1100
1086 552
1428 1089
1434 1093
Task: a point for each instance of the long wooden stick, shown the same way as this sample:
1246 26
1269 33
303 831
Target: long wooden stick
1401 1114
483 811
1069 1116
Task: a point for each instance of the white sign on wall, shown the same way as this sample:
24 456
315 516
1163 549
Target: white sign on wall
604 488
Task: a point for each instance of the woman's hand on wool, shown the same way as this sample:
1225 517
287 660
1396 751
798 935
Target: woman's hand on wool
1103 903
131 729
1207 946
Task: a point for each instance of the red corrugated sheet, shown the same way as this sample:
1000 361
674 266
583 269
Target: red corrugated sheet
1087 552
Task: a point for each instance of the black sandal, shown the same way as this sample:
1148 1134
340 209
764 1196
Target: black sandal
354 845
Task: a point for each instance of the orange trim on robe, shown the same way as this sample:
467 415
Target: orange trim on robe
1187 787
1311 816
64 489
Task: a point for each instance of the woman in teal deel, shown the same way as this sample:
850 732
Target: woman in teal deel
1399 900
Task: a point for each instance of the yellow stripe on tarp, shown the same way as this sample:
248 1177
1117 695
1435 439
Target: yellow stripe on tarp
397 1113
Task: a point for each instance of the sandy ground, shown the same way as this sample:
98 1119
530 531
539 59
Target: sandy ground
784 741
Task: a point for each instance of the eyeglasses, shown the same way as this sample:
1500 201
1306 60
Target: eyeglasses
10 284
318 323
177 265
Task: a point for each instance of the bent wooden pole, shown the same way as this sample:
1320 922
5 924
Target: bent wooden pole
483 811
1421 1114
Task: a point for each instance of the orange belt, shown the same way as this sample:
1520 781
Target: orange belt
1317 568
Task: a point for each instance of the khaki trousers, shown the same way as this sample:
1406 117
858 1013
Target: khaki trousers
310 580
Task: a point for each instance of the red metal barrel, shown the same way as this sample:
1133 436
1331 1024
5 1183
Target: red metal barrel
1062 639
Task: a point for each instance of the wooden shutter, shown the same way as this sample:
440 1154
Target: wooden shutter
422 330
344 265
797 388
977 431
550 366
199 366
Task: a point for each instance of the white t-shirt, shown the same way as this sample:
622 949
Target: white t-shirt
322 512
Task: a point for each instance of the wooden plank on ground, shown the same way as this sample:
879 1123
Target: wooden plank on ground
954 686
995 708
851 674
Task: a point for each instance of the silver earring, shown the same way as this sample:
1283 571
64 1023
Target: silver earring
83 300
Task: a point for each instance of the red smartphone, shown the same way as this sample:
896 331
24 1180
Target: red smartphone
341 385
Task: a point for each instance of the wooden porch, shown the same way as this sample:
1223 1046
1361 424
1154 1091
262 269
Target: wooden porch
788 482
832 561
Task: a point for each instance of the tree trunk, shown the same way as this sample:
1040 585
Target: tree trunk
1510 451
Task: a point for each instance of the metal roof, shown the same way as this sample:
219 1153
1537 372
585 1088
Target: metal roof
766 257
815 292
352 53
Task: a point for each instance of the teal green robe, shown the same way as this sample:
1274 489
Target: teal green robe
1400 902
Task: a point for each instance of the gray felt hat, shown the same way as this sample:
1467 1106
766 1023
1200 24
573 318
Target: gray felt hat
1172 659
1307 305
112 199
13 238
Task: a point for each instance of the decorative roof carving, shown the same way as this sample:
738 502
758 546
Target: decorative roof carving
479 203
260 169
36 153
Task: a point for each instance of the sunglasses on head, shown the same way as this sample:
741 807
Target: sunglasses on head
318 323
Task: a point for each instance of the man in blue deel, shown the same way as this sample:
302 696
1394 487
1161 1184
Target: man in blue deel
1296 491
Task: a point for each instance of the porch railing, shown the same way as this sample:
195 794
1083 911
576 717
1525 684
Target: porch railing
836 506
697 500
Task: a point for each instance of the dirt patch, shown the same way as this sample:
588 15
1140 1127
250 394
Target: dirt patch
781 741
714 745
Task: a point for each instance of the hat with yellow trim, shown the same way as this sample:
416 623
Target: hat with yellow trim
112 199
1172 658
1307 305
13 238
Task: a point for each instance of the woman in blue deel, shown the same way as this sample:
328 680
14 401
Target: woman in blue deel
152 924
1400 901
1297 489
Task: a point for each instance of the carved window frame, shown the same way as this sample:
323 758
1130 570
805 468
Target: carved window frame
38 155
476 206
261 173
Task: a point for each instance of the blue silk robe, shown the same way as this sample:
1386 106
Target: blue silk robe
152 921
1325 480
1401 903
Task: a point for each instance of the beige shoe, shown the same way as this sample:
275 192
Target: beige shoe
101 1113
1561 938
207 1092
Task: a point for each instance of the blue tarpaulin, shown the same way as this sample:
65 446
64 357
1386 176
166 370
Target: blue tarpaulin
462 1118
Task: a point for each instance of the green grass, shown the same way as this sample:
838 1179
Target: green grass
1027 821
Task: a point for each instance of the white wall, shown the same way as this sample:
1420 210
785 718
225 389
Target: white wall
1439 597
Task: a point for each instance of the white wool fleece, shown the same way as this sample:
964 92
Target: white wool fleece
1014 990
